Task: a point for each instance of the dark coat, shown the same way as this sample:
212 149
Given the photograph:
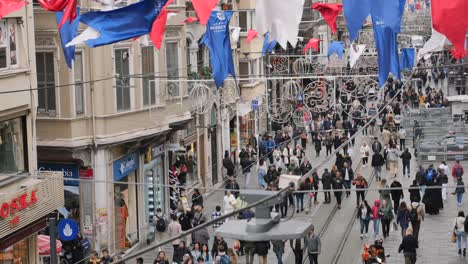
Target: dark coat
262 247
408 245
327 180
405 157
376 147
229 165
396 194
377 160
350 173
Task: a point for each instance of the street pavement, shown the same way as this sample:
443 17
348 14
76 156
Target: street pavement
317 216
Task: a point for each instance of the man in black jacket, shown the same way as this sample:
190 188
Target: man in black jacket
327 184
233 185
228 164
376 146
409 246
397 195
406 158
348 176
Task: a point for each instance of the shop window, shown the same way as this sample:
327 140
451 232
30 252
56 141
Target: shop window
13 150
18 253
78 78
122 70
126 212
8 43
45 81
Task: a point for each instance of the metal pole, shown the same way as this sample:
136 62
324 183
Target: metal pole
53 240
238 130
256 136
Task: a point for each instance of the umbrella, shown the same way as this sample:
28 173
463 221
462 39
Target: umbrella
43 245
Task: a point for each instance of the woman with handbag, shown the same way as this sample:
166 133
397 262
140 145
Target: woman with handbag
386 213
459 231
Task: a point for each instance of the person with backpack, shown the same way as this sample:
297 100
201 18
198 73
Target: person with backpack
457 171
161 224
459 230
416 216
403 218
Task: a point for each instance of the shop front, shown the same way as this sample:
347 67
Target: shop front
154 173
125 201
71 174
24 207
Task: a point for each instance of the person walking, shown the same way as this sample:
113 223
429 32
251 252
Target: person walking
313 246
460 190
376 146
397 194
402 137
229 202
317 145
377 163
278 249
328 144
261 172
387 217
376 217
364 216
296 246
409 246
338 186
361 184
406 158
228 164
393 157
174 229
416 217
459 230
457 171
261 249
348 177
365 153
403 218
327 182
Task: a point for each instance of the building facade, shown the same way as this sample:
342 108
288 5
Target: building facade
27 197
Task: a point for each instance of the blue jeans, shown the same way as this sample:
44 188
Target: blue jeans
461 236
300 201
347 185
279 256
459 197
376 223
364 226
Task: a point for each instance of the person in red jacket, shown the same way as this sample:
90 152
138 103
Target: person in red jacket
457 171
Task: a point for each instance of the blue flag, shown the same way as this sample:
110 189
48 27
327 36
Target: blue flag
124 23
67 33
218 41
387 49
336 47
267 45
407 58
388 12
355 12
411 7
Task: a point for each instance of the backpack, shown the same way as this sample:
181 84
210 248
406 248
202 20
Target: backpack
225 260
161 224
429 175
459 171
414 214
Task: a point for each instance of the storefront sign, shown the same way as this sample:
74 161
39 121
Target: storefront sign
67 229
34 201
87 225
10 208
173 147
233 139
156 151
69 171
125 166
102 215
87 173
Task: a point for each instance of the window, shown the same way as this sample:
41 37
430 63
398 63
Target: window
45 81
122 70
147 68
78 78
248 68
246 20
8 44
172 66
13 150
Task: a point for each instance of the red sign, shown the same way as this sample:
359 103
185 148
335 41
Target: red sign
86 173
18 204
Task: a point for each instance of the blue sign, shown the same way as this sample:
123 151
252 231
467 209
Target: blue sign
67 229
125 166
254 104
69 171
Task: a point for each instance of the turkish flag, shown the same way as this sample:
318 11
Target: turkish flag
313 43
329 12
190 20
251 34
449 18
67 6
159 26
204 8
10 6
